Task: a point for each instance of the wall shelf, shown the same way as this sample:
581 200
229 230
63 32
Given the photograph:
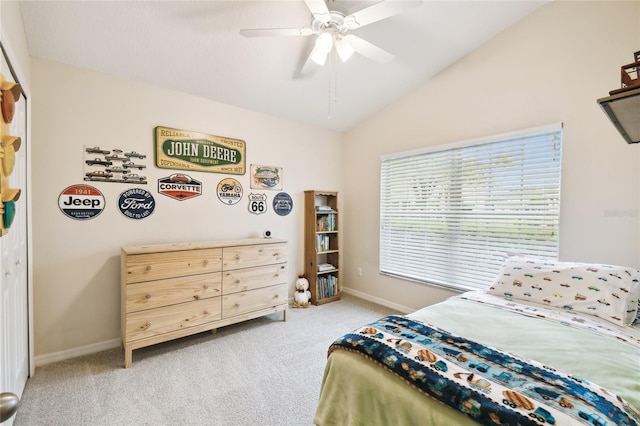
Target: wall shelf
623 109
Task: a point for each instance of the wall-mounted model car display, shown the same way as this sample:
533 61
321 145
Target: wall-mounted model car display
111 164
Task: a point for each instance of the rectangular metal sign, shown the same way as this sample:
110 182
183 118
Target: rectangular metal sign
184 150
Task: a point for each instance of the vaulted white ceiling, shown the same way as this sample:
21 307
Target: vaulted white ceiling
195 47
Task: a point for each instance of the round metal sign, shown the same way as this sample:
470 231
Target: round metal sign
136 203
229 191
81 202
282 204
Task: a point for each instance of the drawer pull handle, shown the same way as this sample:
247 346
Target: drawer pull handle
206 312
146 325
206 262
148 268
195 296
237 281
237 257
236 305
276 254
148 296
206 286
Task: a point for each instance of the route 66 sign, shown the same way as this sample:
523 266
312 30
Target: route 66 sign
257 203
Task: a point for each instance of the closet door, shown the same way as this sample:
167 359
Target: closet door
14 301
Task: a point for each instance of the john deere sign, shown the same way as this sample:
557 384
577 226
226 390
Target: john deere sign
184 150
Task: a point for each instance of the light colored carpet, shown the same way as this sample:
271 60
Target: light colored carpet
260 372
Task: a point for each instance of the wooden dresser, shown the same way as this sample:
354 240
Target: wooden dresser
175 290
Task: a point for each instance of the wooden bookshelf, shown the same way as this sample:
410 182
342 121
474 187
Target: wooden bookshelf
321 245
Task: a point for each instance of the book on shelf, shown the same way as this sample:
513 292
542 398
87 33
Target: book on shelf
325 267
322 242
327 286
326 223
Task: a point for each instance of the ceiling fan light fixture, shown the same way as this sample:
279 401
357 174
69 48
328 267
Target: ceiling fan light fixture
318 57
344 47
324 43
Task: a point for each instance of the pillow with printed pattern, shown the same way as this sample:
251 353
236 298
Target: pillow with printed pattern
606 291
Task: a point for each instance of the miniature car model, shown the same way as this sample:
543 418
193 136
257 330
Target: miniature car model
134 154
116 169
98 162
134 176
99 174
131 165
116 157
97 150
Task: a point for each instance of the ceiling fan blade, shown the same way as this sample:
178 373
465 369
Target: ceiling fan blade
370 51
378 12
270 32
319 10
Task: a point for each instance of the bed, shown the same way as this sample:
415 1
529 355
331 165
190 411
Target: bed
547 343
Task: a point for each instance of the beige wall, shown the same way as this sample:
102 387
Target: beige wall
551 67
76 273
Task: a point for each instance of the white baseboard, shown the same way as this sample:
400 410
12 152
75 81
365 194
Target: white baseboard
400 308
75 352
114 343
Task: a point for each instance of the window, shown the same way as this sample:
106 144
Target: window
449 217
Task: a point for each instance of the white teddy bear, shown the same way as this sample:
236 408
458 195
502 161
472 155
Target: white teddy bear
302 296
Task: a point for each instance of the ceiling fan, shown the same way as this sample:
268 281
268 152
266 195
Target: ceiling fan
331 29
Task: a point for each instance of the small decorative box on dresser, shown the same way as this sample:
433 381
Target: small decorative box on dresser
175 290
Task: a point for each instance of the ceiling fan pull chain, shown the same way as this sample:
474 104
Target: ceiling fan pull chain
329 101
335 78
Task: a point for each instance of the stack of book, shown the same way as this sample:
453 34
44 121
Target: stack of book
327 286
326 223
323 267
322 242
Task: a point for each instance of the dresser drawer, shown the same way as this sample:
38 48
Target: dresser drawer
253 300
154 294
253 255
153 322
153 266
253 278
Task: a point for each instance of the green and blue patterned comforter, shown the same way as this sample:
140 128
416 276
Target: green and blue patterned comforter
494 387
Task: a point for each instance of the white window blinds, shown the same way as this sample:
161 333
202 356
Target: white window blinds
450 217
